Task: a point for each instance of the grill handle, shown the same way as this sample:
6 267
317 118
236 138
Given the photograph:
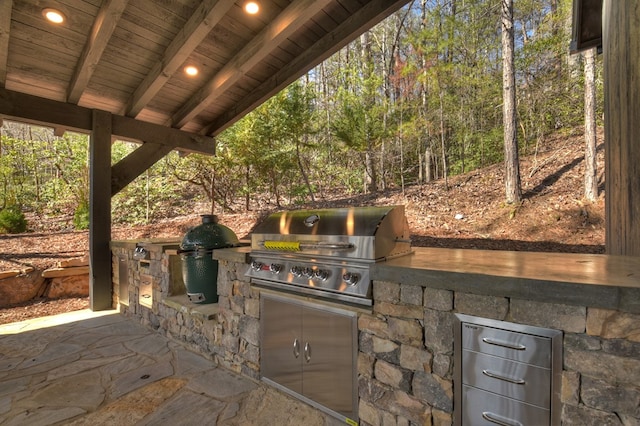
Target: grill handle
304 245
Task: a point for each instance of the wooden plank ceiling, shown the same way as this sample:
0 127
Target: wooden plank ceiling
127 57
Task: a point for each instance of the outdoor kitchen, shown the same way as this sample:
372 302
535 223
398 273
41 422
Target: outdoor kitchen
335 307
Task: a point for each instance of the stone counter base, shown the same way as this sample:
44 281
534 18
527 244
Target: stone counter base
405 347
406 355
226 332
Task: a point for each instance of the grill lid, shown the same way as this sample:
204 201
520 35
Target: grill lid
367 233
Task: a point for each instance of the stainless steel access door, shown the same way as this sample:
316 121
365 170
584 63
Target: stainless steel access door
281 350
328 360
310 350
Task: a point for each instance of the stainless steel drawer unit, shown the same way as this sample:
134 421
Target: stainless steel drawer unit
506 374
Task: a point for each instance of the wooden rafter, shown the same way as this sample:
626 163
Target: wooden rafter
366 17
5 31
290 20
103 27
206 16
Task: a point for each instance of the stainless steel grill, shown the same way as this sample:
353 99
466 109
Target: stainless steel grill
327 252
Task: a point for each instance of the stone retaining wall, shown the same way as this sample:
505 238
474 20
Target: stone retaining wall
69 279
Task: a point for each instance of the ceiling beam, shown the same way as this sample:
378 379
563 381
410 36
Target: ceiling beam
138 130
5 30
371 14
290 20
103 27
206 16
46 112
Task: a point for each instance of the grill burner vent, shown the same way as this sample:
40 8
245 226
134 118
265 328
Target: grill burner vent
327 252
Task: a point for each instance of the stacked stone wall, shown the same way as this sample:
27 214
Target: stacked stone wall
405 360
229 337
405 347
239 320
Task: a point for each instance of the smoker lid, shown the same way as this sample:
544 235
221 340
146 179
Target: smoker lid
352 221
208 235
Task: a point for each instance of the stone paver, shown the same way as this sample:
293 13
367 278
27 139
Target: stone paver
89 368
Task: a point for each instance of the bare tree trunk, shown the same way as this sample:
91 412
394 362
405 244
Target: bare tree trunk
213 192
591 168
370 173
303 172
511 161
247 197
427 164
371 178
442 141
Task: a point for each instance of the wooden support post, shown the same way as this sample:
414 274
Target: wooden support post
100 286
621 48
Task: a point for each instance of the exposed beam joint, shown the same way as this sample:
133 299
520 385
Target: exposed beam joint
289 21
5 30
206 16
371 14
46 112
136 163
103 27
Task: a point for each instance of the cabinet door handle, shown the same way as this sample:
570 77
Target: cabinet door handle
296 348
307 352
504 344
498 376
499 420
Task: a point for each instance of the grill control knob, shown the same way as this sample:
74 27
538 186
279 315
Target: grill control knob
307 272
256 266
351 278
321 274
275 268
296 271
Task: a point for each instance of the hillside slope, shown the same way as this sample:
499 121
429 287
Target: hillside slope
469 213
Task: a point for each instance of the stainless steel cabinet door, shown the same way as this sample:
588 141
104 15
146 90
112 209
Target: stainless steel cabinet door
281 352
328 364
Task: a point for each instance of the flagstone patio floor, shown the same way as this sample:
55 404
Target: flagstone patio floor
101 368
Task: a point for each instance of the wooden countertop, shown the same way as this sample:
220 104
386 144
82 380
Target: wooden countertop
577 279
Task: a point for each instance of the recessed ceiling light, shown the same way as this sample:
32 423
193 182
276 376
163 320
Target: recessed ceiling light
53 15
191 71
251 7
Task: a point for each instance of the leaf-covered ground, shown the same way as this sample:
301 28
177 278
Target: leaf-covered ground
466 212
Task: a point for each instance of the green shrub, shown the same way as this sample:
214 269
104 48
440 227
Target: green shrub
12 220
81 216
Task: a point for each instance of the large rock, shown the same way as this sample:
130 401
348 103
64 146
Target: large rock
65 272
71 286
20 288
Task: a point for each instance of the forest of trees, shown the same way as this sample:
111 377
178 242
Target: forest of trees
421 96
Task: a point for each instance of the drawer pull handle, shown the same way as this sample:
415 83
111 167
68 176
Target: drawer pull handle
499 420
498 376
504 344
